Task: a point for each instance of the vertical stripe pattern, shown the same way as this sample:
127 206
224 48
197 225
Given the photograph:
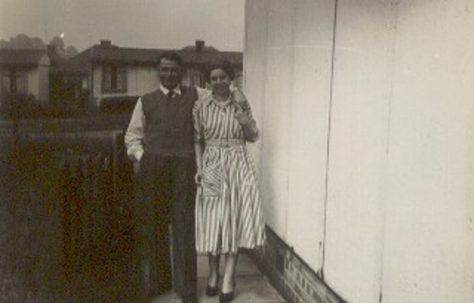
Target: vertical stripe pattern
228 211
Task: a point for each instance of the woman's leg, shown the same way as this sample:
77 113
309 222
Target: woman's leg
213 270
229 272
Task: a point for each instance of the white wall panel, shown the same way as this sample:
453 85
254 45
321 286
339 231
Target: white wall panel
309 108
399 216
357 159
429 240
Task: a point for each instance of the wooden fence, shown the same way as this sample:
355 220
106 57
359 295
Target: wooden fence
69 206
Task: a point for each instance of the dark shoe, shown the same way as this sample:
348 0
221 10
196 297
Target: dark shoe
190 299
226 297
212 291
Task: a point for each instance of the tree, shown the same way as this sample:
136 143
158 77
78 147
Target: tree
58 42
71 51
65 52
23 41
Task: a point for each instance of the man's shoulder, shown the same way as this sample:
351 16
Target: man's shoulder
152 93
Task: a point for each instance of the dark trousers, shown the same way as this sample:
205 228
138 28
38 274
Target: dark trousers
166 196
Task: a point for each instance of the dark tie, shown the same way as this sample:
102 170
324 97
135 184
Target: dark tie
170 94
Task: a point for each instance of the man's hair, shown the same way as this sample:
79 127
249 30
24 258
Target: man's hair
220 63
171 56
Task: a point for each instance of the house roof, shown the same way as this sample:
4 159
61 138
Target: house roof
141 56
204 48
77 64
193 57
22 57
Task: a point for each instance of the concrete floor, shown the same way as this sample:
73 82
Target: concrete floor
251 287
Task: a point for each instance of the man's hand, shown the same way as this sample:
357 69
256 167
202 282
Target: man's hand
135 158
136 167
198 177
135 155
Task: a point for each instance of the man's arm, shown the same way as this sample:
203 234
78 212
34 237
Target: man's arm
134 133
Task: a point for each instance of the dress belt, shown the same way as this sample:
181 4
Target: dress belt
225 142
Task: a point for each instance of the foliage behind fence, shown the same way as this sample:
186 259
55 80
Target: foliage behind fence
68 228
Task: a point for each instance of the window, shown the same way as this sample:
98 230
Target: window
114 78
14 82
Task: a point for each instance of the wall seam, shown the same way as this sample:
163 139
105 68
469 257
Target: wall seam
264 91
387 150
289 110
244 46
328 139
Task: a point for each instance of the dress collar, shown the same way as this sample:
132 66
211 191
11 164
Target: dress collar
221 104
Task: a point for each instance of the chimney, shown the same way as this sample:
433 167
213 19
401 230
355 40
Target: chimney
200 45
105 43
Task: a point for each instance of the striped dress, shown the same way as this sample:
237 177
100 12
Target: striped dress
228 204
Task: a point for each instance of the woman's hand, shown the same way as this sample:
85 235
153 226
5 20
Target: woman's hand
198 177
242 116
241 104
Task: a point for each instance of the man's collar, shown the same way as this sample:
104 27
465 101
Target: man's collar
165 90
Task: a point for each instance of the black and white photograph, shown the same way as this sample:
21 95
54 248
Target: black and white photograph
247 151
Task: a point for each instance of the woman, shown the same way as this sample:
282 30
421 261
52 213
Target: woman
228 206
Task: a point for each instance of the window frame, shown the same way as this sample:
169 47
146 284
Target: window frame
113 74
15 77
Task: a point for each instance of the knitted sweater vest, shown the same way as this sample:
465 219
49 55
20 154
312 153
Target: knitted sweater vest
168 123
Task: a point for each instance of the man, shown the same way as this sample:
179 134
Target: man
160 140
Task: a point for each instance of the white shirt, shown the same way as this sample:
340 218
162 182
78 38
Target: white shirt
135 130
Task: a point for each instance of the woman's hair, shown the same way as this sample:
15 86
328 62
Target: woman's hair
219 64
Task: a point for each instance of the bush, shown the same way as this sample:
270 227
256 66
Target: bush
19 106
120 104
22 106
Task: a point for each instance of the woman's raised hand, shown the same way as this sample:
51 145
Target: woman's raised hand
242 116
241 104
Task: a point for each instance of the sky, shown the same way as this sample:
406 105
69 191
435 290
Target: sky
127 23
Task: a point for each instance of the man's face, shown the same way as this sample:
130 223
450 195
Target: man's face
170 73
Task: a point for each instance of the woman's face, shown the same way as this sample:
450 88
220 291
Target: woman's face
219 81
